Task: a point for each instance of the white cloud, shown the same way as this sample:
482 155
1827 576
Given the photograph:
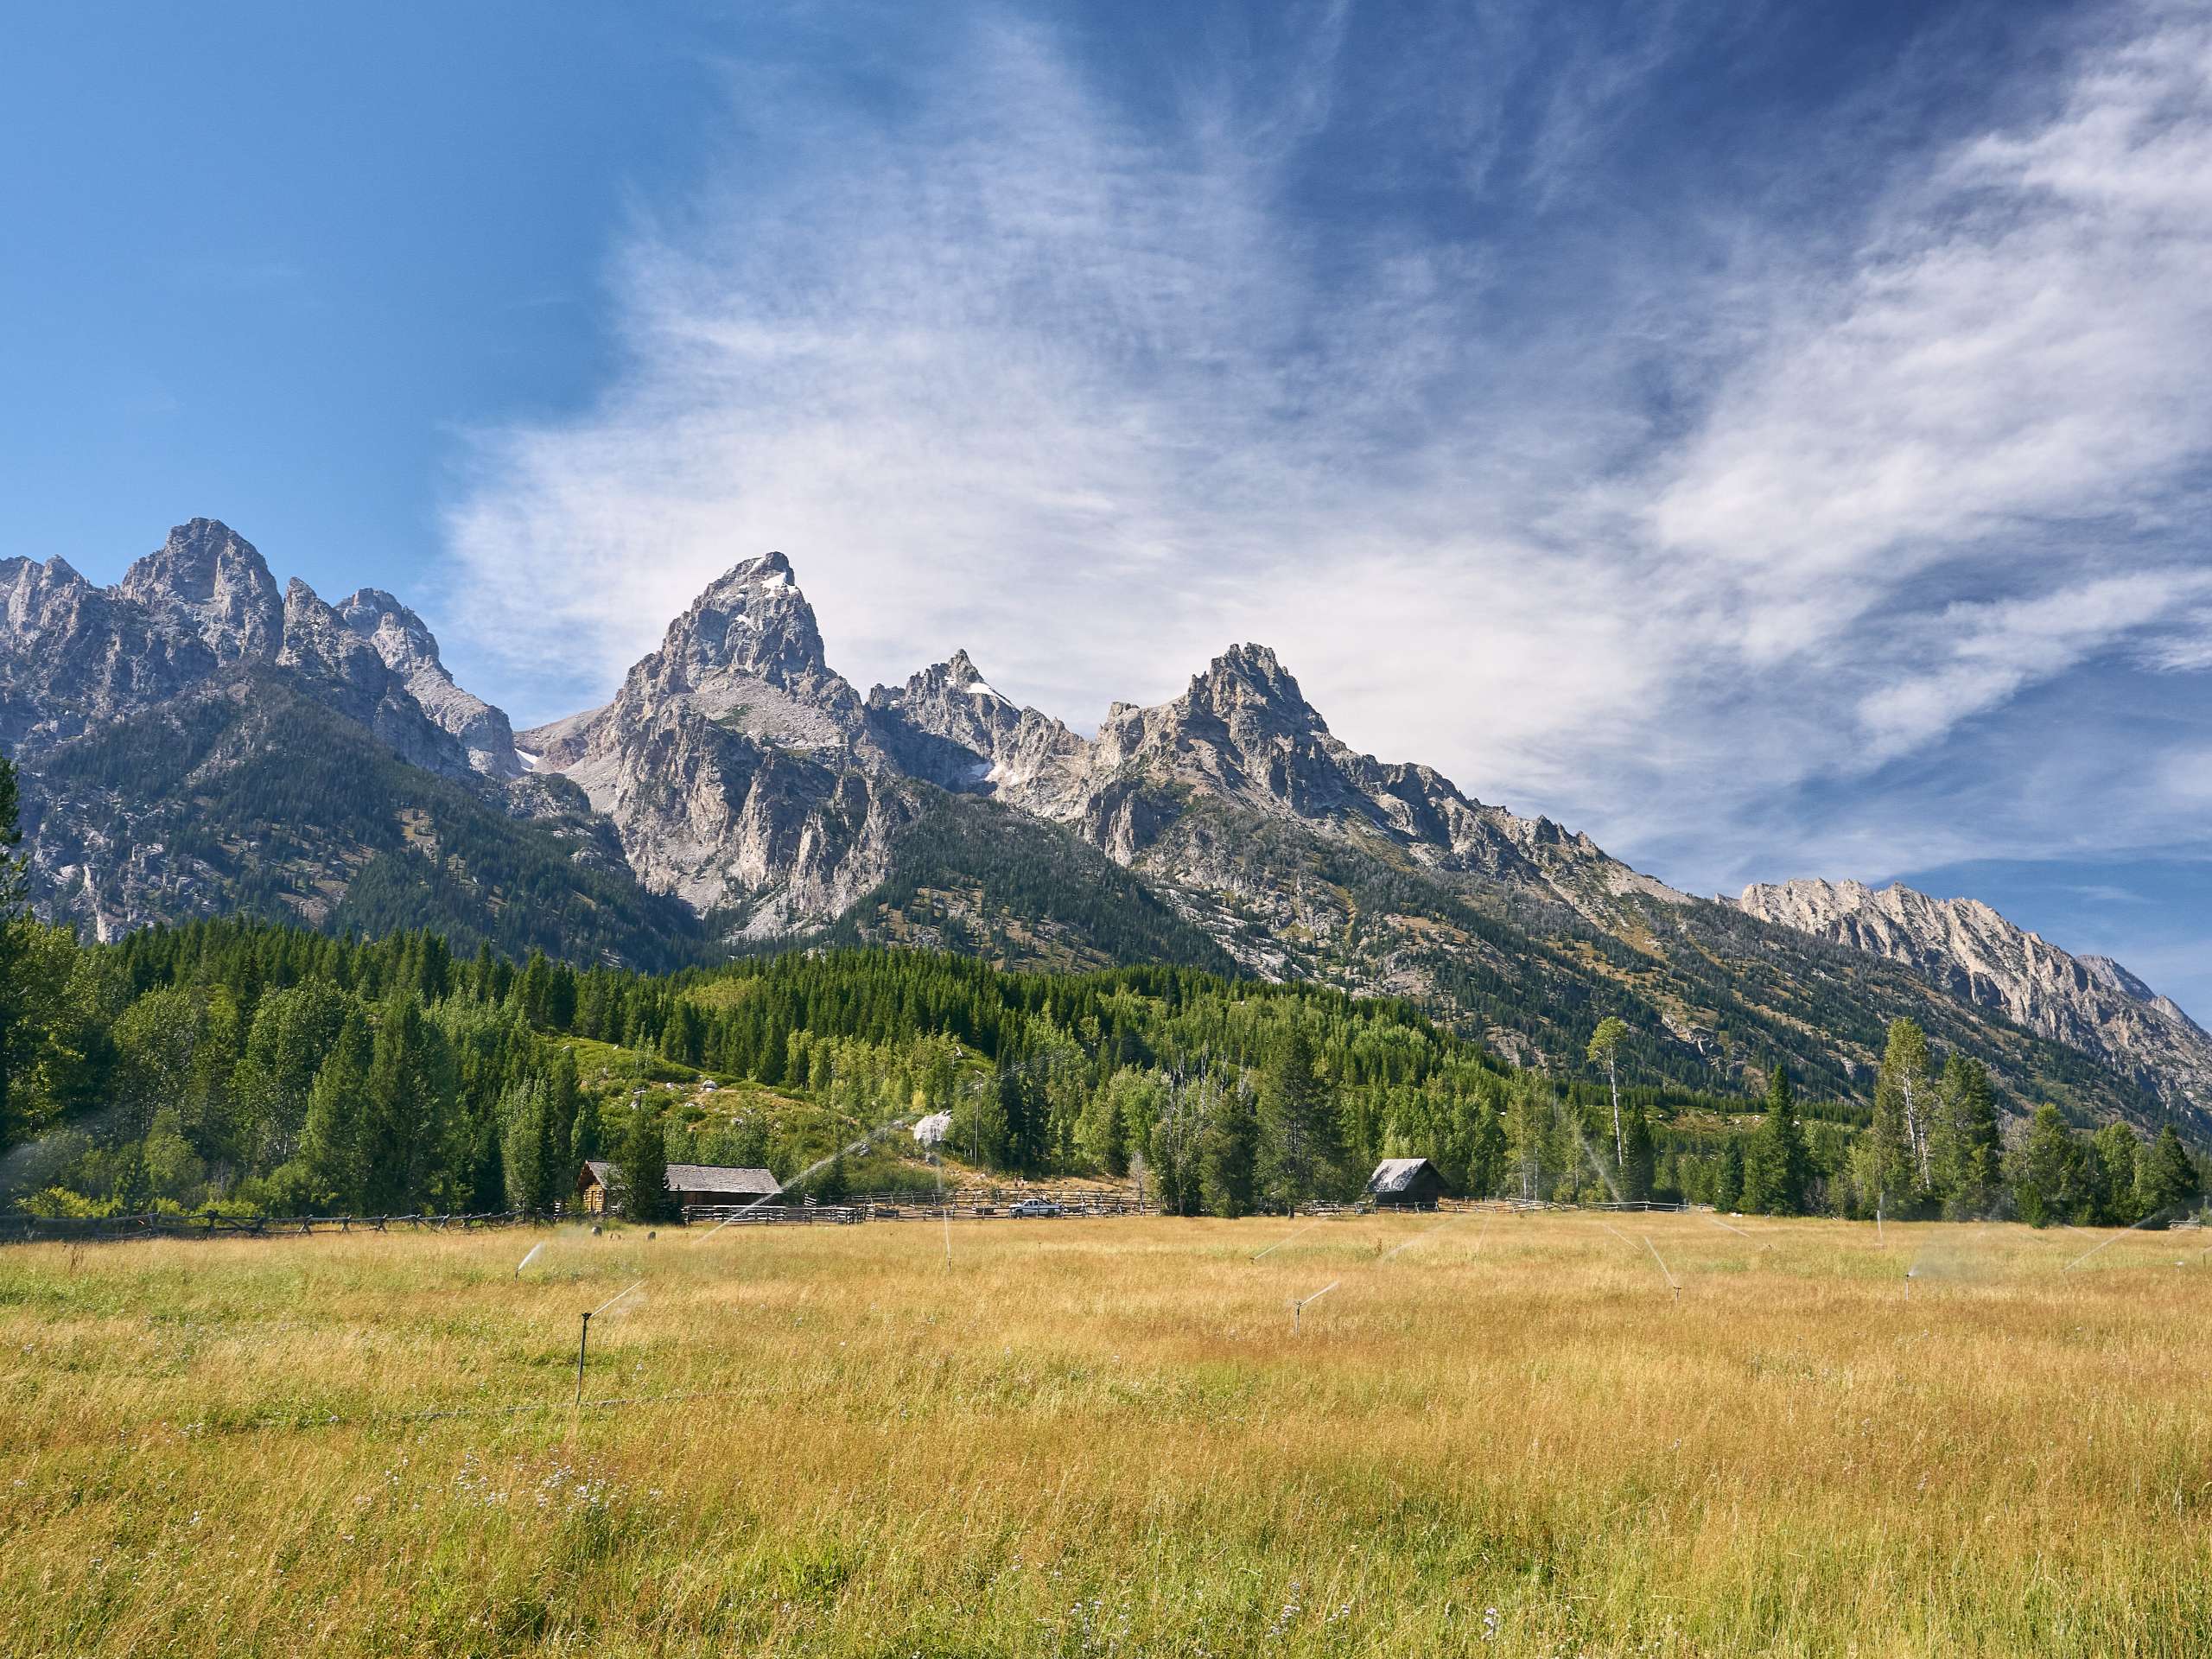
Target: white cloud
1094 397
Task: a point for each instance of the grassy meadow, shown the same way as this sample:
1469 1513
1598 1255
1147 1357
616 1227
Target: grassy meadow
1508 1436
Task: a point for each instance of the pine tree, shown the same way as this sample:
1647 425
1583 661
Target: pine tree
332 1160
1728 1175
2168 1181
2047 1170
1775 1164
1486 1150
642 1177
1296 1157
1966 1152
408 1136
1227 1153
1638 1166
2109 1169
588 1139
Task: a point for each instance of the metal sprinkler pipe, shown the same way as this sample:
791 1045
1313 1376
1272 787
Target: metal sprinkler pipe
583 1337
1298 1307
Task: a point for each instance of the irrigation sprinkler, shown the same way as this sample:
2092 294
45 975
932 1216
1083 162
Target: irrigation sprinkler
583 1337
2114 1239
1298 1306
1672 1284
530 1258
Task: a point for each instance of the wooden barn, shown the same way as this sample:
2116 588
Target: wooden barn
688 1184
1405 1184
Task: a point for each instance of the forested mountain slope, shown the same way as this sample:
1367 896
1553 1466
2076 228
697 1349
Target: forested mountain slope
194 743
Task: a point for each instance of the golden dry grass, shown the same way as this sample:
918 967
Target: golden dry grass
1104 1437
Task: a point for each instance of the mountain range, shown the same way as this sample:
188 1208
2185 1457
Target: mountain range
195 742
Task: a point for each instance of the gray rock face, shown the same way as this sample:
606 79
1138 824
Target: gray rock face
353 677
2090 1003
410 651
736 767
73 656
209 580
736 772
1243 734
949 725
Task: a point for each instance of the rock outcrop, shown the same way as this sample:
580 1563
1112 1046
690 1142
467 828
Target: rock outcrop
1968 951
410 651
736 787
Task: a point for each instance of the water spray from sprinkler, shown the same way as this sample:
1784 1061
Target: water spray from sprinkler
530 1258
814 1168
1672 1284
1739 1232
1298 1306
1300 1232
1417 1238
583 1339
2114 1239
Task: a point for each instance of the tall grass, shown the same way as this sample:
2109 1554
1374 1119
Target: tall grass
1103 1437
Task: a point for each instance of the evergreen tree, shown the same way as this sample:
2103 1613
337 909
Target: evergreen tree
333 1159
2109 1176
408 1125
1228 1150
1728 1175
1966 1152
2168 1181
1639 1166
1297 1155
293 1032
588 1139
642 1175
2047 1170
1486 1151
1775 1165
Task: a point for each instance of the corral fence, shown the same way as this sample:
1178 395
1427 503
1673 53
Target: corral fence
26 1228
908 1206
852 1210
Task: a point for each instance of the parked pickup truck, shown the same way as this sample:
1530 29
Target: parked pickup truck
1034 1207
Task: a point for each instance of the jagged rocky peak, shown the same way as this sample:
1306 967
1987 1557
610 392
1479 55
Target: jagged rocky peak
747 656
209 581
1243 727
1974 953
752 618
407 646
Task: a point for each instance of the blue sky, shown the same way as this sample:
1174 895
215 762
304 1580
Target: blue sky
1772 438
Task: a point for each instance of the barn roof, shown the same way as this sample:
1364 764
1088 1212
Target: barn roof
701 1177
1396 1174
709 1178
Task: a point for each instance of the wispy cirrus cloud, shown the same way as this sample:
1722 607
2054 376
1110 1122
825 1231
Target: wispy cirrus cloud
1733 528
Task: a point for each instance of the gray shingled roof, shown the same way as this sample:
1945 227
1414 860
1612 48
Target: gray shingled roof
701 1178
1396 1174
